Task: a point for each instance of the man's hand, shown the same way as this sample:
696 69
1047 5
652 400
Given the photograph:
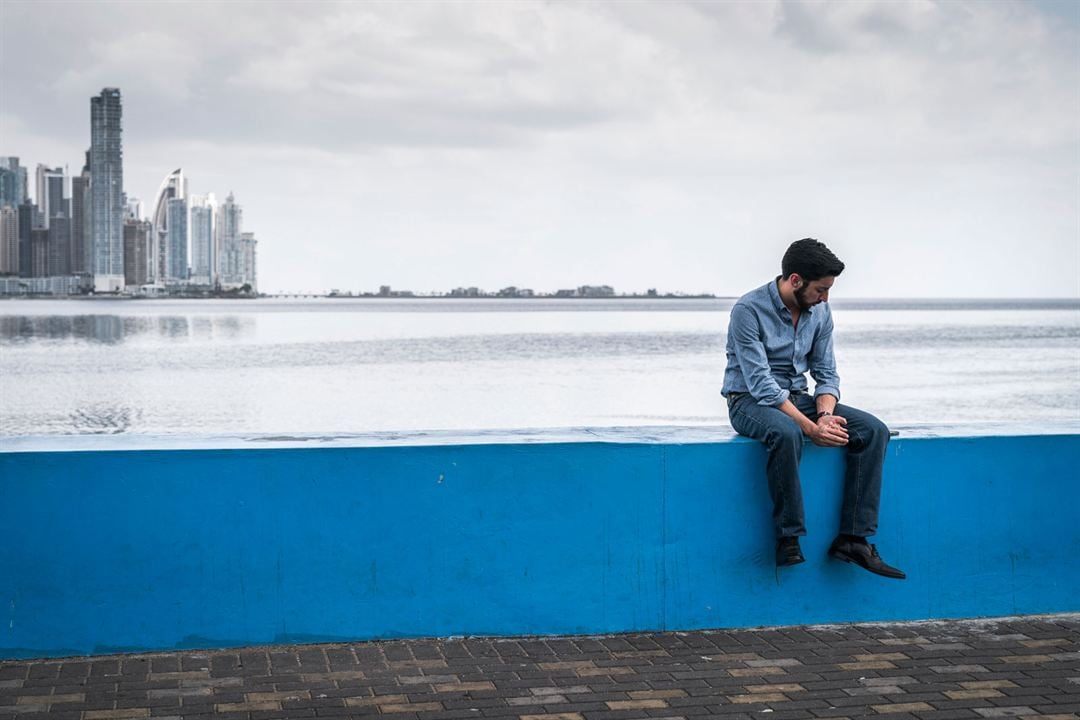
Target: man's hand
829 431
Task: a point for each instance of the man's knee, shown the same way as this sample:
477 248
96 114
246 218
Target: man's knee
869 429
785 435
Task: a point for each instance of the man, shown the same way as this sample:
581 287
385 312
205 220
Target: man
776 334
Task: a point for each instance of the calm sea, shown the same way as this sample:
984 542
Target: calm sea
341 366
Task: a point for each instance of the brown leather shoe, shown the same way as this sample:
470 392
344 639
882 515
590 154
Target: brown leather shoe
865 556
788 552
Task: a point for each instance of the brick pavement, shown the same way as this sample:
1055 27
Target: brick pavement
1008 667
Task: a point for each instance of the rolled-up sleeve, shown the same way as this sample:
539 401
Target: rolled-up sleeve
745 333
822 362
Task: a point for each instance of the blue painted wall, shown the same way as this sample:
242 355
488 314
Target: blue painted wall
105 551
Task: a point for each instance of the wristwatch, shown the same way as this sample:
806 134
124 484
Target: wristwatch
827 413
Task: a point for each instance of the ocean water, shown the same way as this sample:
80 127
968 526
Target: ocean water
194 367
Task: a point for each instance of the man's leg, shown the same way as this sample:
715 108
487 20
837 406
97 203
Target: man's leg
784 443
867 441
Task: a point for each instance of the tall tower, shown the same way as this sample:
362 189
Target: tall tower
106 192
201 229
136 250
227 229
248 272
176 258
9 239
13 189
173 187
50 194
80 223
133 209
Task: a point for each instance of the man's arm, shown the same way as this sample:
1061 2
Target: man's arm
822 364
744 331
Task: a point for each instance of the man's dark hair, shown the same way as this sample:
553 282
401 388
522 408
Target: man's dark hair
811 260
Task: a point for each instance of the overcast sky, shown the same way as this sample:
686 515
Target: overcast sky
935 146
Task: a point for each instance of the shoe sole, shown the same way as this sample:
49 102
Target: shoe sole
849 559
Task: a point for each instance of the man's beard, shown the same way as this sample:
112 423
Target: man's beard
800 298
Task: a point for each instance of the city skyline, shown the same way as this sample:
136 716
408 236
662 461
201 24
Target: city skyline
677 145
85 234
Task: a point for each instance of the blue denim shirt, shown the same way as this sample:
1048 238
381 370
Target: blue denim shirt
768 358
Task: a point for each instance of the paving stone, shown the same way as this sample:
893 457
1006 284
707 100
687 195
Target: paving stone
1015 711
758 698
875 690
648 704
894 681
910 707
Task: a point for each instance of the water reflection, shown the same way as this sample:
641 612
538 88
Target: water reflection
115 329
103 419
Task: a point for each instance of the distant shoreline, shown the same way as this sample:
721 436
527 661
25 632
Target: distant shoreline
854 303
307 296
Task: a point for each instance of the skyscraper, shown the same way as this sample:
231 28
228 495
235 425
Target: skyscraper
9 239
80 214
174 186
59 234
39 252
106 191
228 221
13 190
7 185
137 260
247 260
176 257
26 228
133 209
201 230
50 194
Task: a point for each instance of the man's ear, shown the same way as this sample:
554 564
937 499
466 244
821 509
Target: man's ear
795 280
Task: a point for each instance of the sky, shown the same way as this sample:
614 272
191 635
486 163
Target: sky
678 145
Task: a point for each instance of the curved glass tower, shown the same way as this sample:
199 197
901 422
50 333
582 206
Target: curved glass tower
169 242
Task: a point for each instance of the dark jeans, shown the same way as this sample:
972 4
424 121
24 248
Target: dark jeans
867 439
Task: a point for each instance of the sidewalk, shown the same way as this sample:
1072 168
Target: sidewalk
1007 667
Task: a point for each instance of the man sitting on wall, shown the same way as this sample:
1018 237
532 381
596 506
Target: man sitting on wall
776 333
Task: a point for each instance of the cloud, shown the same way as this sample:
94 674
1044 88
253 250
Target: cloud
571 138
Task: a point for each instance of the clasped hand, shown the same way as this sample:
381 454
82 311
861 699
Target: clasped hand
829 431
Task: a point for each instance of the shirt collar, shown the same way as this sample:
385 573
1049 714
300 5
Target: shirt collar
774 293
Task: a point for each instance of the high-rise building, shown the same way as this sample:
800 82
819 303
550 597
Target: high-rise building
9 240
228 221
137 245
133 209
50 194
176 241
80 214
39 252
106 191
174 186
27 211
247 260
59 233
13 189
8 186
201 229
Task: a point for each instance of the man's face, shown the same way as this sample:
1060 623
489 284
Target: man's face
811 292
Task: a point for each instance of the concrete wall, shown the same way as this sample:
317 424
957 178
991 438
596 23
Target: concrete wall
122 550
